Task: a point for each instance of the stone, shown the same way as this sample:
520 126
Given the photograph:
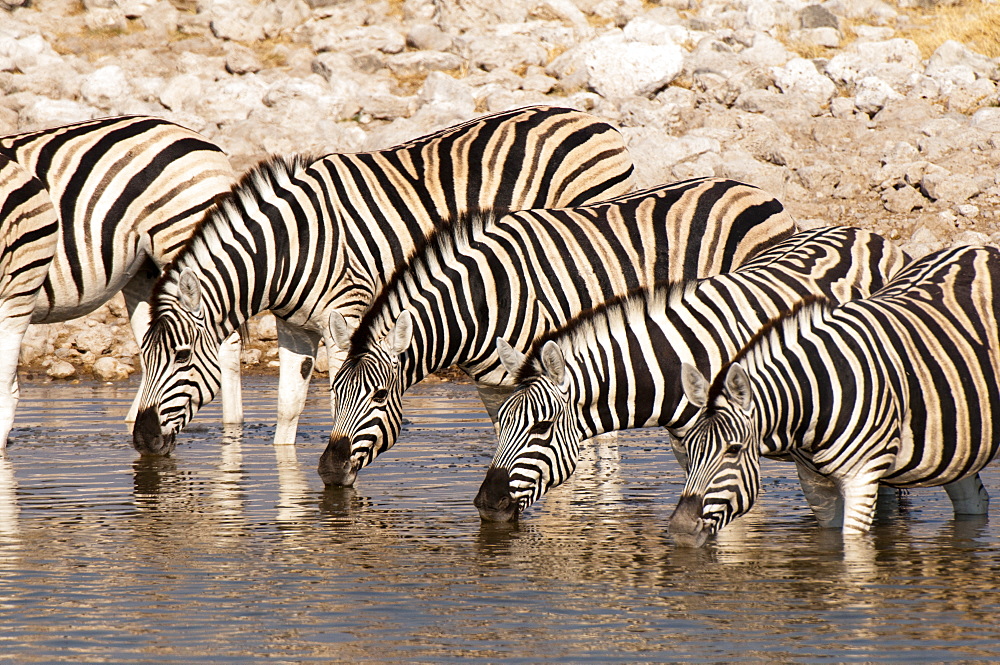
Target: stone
872 94
60 369
801 76
97 340
970 238
105 87
618 69
903 200
986 120
241 60
428 37
940 184
111 369
818 16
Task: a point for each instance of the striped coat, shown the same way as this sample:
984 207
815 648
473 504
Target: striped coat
899 389
303 237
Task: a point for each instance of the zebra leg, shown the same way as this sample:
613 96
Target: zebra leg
823 496
11 333
297 349
493 396
232 389
137 292
968 496
860 495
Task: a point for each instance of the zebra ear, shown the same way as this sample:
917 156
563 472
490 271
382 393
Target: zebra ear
510 358
341 330
190 290
401 334
738 386
695 385
554 361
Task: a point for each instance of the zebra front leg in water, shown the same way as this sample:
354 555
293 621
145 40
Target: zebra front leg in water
297 349
968 496
11 333
823 496
230 386
137 292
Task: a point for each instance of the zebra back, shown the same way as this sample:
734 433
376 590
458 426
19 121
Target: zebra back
122 187
899 388
617 366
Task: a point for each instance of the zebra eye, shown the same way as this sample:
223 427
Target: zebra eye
183 355
380 396
734 449
540 427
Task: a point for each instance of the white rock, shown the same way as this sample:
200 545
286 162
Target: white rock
986 120
903 200
871 94
111 369
801 76
939 184
419 63
105 87
45 112
60 369
970 238
953 55
428 37
182 92
618 69
898 57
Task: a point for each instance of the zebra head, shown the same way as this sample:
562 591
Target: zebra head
723 447
539 441
367 395
181 368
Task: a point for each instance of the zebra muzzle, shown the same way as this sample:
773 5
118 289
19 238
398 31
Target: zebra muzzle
147 436
494 500
335 465
687 527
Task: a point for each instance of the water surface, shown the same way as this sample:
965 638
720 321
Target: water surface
231 550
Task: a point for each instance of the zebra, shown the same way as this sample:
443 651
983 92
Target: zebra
29 227
127 192
899 389
518 276
301 236
616 366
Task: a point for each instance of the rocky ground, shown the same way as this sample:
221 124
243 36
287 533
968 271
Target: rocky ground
876 114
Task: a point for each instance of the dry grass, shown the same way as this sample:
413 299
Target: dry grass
974 23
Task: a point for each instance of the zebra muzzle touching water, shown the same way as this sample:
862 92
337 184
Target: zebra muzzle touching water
899 388
494 499
147 436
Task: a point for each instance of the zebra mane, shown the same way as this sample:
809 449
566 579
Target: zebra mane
266 175
431 252
798 311
610 314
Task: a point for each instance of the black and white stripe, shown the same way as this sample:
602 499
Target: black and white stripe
127 193
302 237
618 366
517 277
899 388
29 229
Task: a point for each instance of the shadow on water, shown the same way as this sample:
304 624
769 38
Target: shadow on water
232 550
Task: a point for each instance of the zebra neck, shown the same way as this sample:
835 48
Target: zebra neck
805 396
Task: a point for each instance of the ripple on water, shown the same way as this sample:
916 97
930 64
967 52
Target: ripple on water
231 550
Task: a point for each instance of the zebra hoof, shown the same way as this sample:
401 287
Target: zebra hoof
494 501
